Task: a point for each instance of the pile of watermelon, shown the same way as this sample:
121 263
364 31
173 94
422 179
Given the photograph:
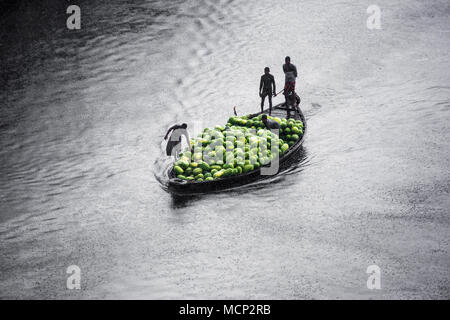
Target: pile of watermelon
242 145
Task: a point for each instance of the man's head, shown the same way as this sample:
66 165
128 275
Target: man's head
264 118
184 125
266 70
287 60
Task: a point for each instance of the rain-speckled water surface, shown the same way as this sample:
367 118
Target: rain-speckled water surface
83 114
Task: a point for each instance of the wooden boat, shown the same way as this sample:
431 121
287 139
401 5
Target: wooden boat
182 187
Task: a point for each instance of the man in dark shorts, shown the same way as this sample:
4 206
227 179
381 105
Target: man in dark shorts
267 88
173 147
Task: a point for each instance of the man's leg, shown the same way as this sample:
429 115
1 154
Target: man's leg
288 104
289 95
263 97
270 103
297 102
285 92
176 150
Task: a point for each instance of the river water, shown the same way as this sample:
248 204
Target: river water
83 113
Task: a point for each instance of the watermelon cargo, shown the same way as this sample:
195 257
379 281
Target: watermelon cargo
240 146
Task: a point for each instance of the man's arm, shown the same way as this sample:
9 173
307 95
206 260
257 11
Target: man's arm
295 71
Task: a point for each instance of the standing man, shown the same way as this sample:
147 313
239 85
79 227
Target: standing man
267 88
290 72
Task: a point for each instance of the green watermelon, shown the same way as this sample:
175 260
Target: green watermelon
178 170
